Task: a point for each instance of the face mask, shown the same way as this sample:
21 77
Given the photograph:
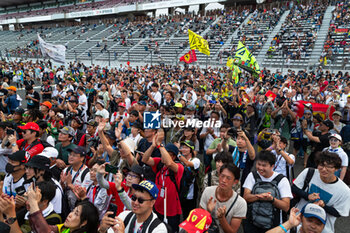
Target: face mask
10 168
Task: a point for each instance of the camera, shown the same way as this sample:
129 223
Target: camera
92 142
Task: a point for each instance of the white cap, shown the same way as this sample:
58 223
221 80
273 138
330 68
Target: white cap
312 210
49 152
335 135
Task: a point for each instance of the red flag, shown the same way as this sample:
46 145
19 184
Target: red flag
270 94
316 108
189 57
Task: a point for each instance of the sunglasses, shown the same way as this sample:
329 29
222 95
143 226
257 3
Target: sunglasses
139 199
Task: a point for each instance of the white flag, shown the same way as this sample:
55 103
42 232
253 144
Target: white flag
55 52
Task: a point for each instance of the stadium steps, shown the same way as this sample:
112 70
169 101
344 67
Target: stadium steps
163 45
321 36
129 53
94 37
228 43
261 57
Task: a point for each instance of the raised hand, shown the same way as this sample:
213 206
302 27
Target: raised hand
211 204
294 218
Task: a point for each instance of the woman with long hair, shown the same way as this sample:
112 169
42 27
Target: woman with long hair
82 219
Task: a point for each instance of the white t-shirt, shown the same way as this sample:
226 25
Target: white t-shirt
280 165
283 186
196 163
341 153
83 99
76 180
336 195
238 210
161 228
57 200
157 97
9 186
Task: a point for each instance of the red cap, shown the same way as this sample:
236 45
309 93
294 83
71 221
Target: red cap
47 104
30 125
198 221
122 105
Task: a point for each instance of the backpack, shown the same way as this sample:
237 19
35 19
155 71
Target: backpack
188 176
155 223
36 142
82 177
263 214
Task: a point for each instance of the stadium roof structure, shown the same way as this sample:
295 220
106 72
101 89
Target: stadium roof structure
7 3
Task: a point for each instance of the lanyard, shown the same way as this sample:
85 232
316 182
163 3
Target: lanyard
76 174
164 176
238 160
278 162
95 192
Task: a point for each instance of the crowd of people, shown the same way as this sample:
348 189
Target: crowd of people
78 154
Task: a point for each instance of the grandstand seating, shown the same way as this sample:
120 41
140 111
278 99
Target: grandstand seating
336 50
294 44
167 38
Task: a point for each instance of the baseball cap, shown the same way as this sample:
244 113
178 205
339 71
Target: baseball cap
122 105
78 120
191 107
101 102
111 134
178 105
149 186
337 113
19 111
92 123
47 104
40 162
170 147
328 123
237 117
49 152
68 130
30 125
188 143
137 169
198 221
314 211
20 156
12 88
335 135
142 102
78 150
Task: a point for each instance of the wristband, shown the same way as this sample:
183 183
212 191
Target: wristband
14 144
121 190
283 228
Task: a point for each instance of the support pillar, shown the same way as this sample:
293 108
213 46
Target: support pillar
202 9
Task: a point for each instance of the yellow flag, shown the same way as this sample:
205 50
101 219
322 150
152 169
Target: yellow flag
244 59
235 73
229 62
325 61
197 42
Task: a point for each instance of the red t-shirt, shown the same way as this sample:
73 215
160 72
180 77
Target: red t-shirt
173 205
115 196
32 150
